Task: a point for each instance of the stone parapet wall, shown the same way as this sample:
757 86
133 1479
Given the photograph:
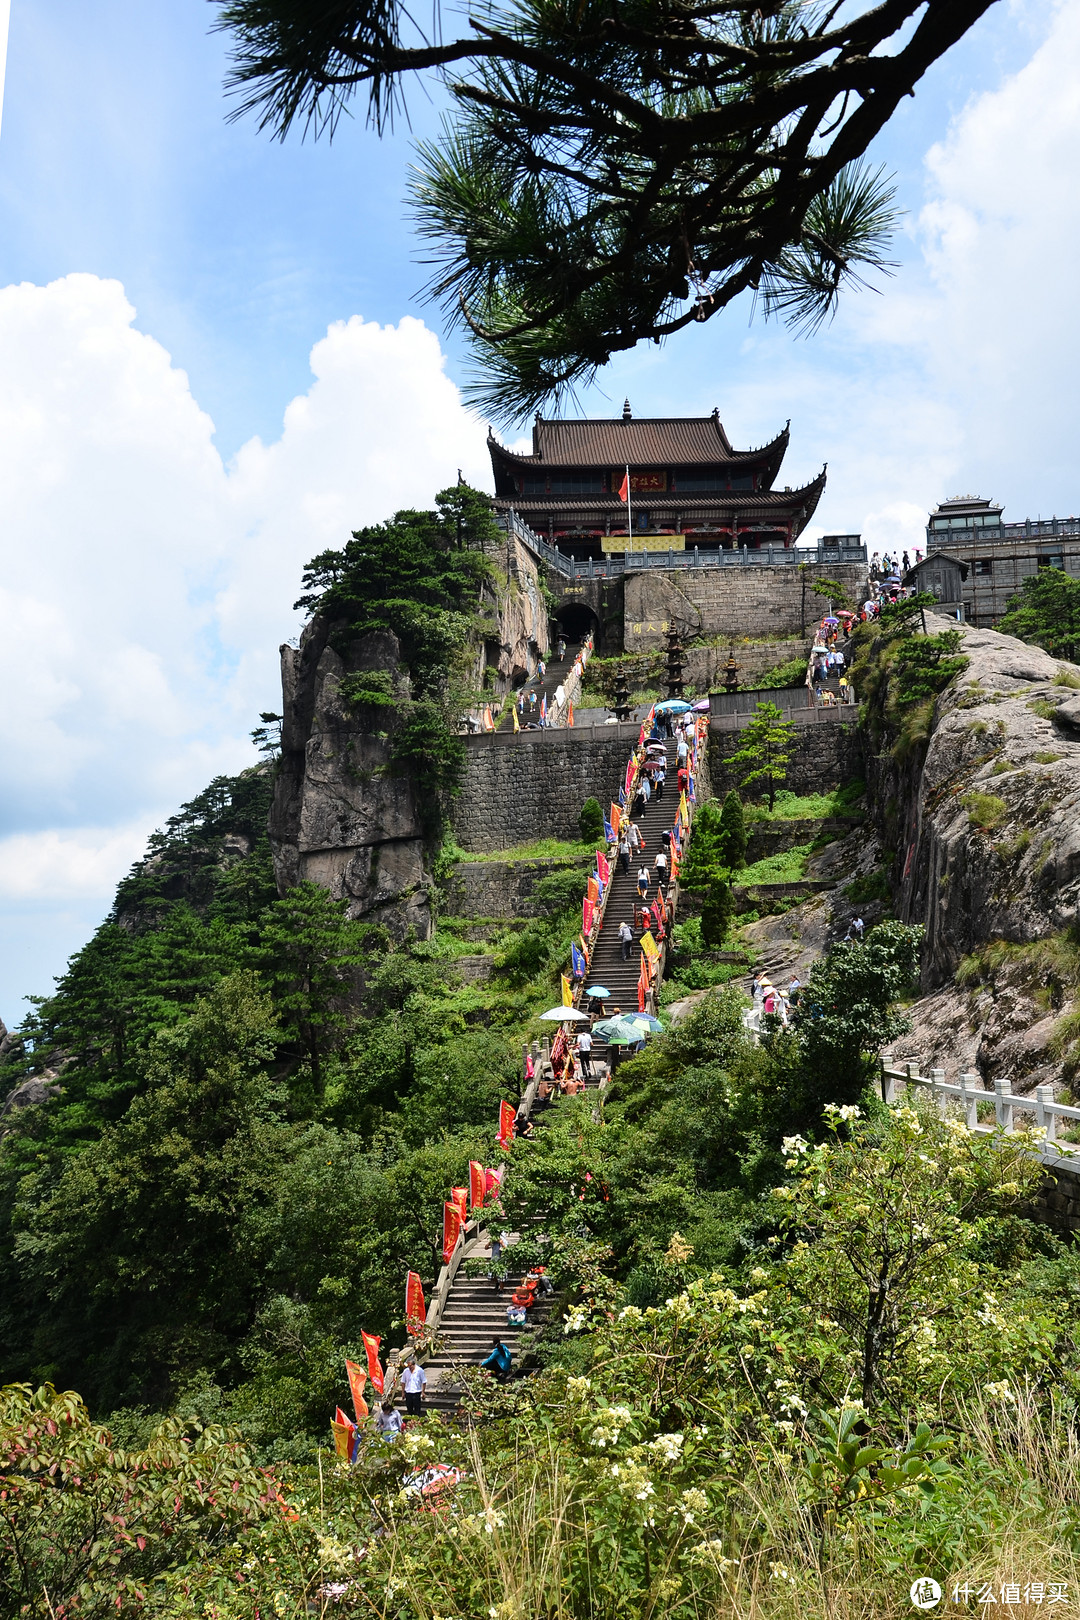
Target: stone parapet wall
531 785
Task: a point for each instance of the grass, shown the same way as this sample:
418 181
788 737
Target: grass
842 801
544 849
1068 677
1047 757
787 867
984 810
1043 708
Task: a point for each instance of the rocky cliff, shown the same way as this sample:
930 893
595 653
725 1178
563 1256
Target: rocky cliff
983 825
339 818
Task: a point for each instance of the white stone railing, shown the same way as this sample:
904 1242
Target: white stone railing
976 1103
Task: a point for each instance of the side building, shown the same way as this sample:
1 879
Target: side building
976 562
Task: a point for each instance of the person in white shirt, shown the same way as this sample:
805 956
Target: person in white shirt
414 1382
633 836
626 939
643 882
660 866
584 1051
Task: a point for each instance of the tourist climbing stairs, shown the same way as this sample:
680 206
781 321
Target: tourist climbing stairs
556 672
608 967
475 1314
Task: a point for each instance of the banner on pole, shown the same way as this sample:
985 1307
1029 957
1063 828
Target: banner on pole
451 1227
371 1350
415 1309
476 1185
357 1375
505 1134
567 992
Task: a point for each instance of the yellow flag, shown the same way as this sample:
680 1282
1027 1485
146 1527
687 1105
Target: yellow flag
684 810
649 945
567 993
513 711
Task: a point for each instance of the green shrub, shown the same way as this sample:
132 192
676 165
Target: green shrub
732 848
591 821
716 914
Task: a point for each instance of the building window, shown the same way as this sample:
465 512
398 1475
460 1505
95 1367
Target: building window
534 486
689 484
1052 559
984 565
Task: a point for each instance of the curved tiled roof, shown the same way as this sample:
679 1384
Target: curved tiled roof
643 441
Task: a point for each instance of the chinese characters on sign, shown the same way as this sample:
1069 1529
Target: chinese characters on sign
925 1593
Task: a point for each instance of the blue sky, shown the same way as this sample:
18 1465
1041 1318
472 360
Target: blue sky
214 360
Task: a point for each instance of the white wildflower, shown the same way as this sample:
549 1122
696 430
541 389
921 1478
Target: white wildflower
667 1447
1000 1392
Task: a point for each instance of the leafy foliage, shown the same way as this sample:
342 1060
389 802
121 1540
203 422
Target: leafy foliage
607 177
1046 610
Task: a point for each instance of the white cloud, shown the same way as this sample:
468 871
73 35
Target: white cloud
146 586
80 863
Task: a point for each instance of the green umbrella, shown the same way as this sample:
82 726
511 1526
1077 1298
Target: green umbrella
621 1031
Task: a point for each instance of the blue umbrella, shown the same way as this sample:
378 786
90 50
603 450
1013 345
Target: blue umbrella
646 1020
596 990
673 706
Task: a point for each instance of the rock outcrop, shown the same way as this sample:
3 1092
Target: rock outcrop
339 818
986 837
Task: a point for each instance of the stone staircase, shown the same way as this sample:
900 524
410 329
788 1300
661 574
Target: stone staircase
608 967
474 1314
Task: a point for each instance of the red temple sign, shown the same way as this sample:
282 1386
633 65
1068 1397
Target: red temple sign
643 483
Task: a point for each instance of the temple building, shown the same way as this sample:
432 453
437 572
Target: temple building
688 488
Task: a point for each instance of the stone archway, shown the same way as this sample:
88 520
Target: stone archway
576 620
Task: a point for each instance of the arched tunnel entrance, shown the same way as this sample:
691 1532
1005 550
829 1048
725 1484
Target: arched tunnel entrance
575 621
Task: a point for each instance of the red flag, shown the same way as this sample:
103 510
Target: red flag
460 1197
603 866
371 1346
587 911
493 1182
505 1134
624 487
415 1311
477 1184
451 1227
356 1384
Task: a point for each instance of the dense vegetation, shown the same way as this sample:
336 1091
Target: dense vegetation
806 1349
1046 610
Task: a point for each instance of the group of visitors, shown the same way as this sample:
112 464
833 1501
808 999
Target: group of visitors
889 566
768 1000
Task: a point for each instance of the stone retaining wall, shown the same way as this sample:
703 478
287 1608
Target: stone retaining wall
520 788
502 888
729 601
825 757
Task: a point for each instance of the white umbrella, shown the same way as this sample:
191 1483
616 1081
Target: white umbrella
559 1015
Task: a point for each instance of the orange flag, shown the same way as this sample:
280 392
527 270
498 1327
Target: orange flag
357 1375
614 818
477 1181
460 1197
343 1431
415 1310
505 1134
593 890
375 1373
451 1226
